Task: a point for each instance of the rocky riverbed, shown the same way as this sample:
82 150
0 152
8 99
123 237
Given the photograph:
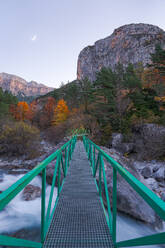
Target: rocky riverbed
128 201
151 173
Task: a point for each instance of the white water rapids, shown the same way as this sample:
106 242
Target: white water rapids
24 214
19 213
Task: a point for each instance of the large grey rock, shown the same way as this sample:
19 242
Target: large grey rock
128 201
117 139
131 43
127 147
149 141
160 174
157 167
146 172
152 184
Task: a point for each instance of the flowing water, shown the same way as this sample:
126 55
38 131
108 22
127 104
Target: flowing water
20 214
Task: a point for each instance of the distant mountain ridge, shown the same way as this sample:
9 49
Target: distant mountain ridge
20 87
132 43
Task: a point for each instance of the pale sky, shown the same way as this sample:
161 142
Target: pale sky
41 39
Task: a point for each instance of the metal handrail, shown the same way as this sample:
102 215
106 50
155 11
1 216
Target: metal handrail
46 217
150 197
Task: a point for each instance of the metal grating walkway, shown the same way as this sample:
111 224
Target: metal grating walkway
79 220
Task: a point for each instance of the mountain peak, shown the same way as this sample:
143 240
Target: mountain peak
131 43
17 85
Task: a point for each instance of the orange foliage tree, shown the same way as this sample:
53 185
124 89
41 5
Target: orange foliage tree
49 108
21 111
61 112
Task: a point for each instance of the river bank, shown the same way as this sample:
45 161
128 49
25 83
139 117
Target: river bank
21 216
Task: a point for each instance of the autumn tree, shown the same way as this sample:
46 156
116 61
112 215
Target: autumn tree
49 109
61 112
21 111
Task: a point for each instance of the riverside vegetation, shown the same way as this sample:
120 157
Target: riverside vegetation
118 101
123 110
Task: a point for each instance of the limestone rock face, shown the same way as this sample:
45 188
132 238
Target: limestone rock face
131 43
17 85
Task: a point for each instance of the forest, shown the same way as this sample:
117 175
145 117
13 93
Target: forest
116 101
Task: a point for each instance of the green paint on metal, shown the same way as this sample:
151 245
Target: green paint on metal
154 239
114 205
150 197
106 193
12 191
10 241
52 190
43 205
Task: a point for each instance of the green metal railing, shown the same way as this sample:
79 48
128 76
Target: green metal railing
61 158
97 163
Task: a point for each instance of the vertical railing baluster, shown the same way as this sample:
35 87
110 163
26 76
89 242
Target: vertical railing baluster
90 157
94 159
114 205
86 143
59 175
65 160
92 162
43 205
69 157
89 147
106 194
100 183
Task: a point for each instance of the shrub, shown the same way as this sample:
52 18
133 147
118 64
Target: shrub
19 138
55 134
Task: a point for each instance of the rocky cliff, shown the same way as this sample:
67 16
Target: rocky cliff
131 43
19 86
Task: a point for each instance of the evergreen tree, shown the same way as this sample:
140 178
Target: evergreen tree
131 80
86 93
105 96
158 59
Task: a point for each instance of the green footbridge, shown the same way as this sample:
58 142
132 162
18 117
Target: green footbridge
78 218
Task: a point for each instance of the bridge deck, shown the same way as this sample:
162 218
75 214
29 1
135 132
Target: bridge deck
79 220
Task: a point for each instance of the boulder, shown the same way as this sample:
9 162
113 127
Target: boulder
128 201
146 172
149 141
159 175
127 147
156 167
117 139
31 192
152 184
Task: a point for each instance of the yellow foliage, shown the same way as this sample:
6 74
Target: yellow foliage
159 98
61 112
